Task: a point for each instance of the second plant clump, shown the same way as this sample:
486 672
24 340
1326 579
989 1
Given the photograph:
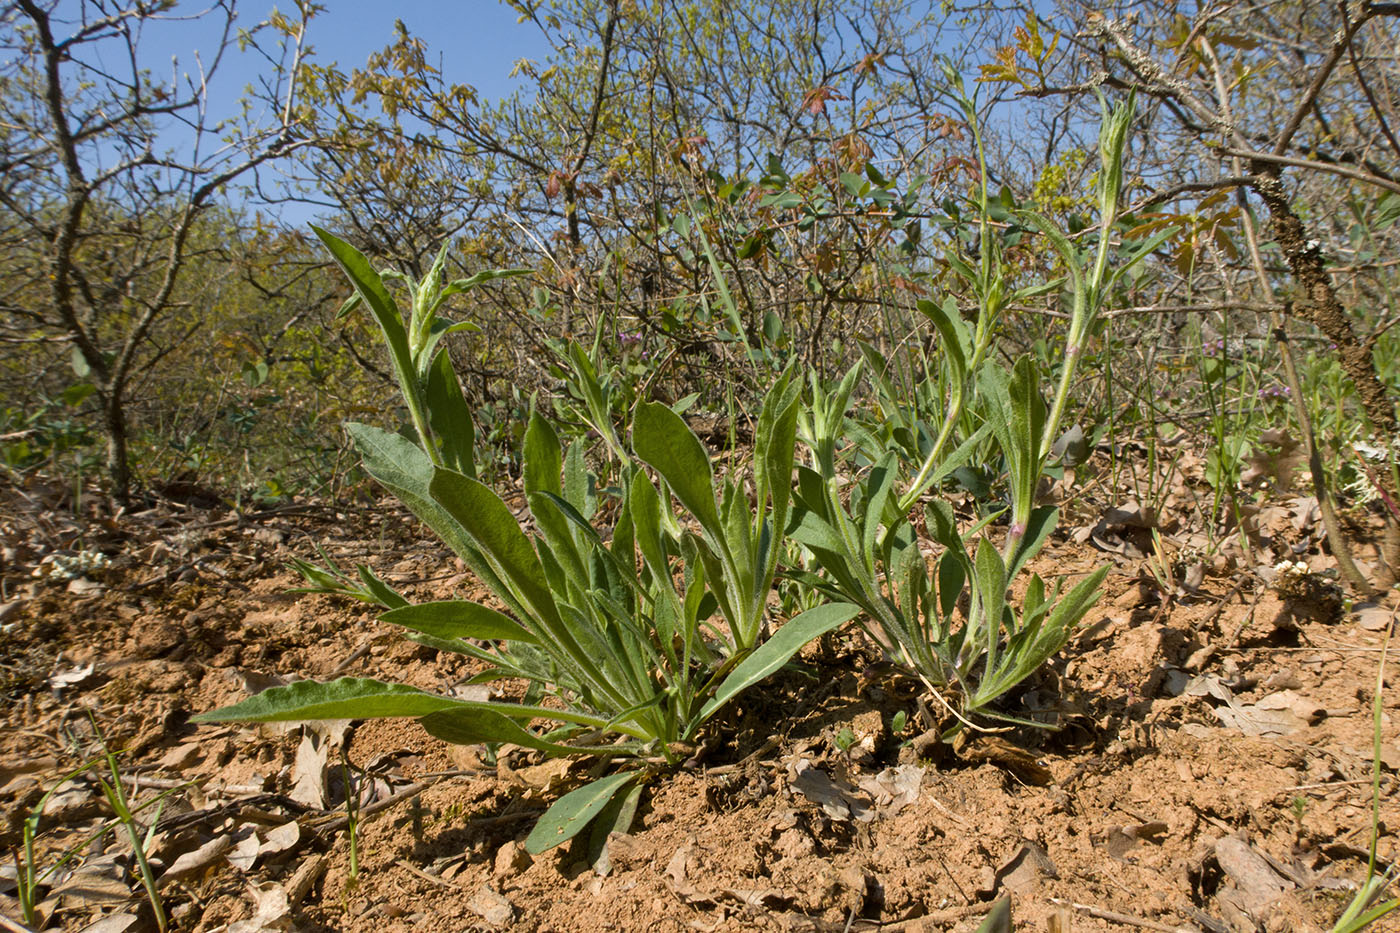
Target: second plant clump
633 615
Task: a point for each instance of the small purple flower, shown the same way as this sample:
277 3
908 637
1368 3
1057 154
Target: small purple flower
630 338
1277 390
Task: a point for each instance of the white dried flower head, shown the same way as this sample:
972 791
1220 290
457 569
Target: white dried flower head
71 566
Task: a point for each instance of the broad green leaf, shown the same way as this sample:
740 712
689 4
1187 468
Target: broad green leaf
662 438
497 534
459 619
449 417
777 650
957 344
542 463
991 587
370 287
402 466
1038 528
575 810
543 457
479 724
810 529
1071 607
1028 406
880 484
775 441
577 488
616 817
951 578
646 517
346 698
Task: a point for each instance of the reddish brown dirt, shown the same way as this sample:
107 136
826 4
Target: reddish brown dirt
1159 811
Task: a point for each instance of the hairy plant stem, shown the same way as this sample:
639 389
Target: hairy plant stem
986 318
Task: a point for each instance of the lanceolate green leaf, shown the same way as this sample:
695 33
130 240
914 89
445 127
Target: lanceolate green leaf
486 275
774 445
449 418
508 552
346 698
1042 522
956 342
1066 250
405 470
777 650
662 438
480 724
496 533
959 457
575 810
371 290
459 619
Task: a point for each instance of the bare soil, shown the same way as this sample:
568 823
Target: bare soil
1210 765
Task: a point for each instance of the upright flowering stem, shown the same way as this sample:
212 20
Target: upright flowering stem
1113 137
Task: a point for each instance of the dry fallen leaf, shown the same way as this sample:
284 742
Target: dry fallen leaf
112 923
1023 871
280 838
74 677
244 852
1281 713
839 800
192 863
492 906
309 771
678 875
1257 883
894 788
1374 618
97 881
271 911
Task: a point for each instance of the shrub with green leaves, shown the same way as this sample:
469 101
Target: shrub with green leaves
628 649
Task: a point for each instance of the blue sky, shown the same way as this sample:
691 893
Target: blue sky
479 40
476 42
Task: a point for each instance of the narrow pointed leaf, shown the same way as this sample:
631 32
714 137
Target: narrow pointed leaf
459 619
346 698
477 725
575 810
370 287
662 438
497 534
777 650
449 417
